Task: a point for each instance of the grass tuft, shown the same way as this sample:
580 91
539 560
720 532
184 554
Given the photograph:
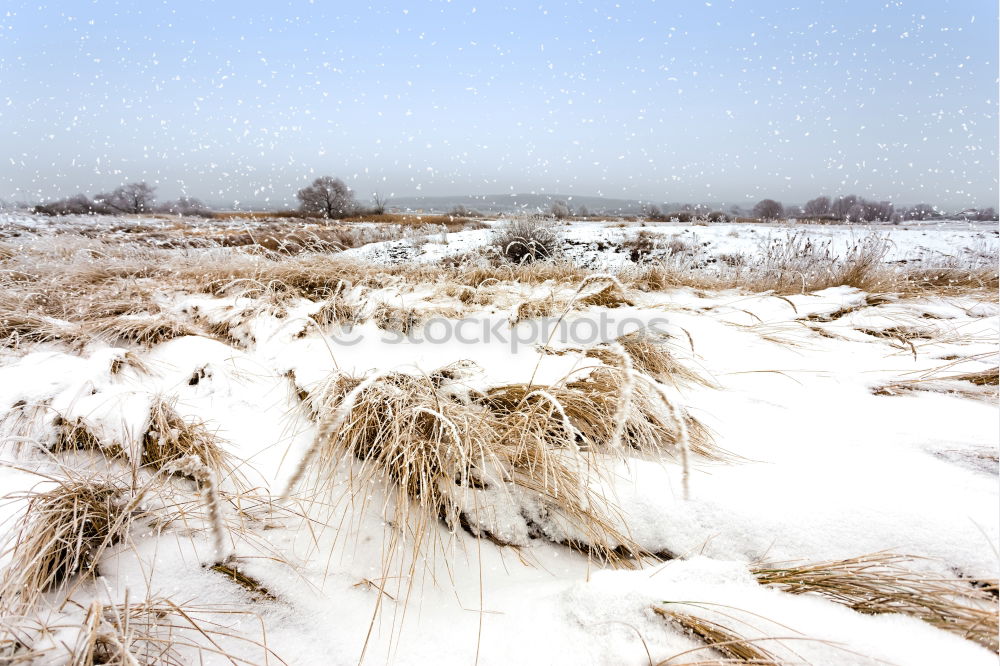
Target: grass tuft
883 583
731 646
169 440
62 534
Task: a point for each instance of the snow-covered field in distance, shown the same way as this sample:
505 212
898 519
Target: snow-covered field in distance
599 242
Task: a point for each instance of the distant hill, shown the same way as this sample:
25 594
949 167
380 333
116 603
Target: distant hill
509 203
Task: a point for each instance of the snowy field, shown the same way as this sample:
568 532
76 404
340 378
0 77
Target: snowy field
600 243
384 454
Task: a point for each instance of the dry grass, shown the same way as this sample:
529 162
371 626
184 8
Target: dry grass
450 222
19 327
62 534
405 320
798 264
977 386
394 318
496 473
76 435
733 648
525 240
980 384
883 583
147 330
338 310
27 425
537 308
611 295
650 355
159 631
507 465
169 440
591 405
128 360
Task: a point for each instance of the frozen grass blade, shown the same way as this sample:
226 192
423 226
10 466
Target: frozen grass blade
883 583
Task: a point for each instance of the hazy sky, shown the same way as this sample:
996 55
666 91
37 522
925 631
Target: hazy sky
722 101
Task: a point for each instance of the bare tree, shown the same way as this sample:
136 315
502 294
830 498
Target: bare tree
869 211
379 202
78 204
130 198
559 210
654 213
186 206
768 209
843 205
921 211
818 206
327 196
878 211
582 211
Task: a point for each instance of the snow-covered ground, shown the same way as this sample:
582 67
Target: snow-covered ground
600 243
824 465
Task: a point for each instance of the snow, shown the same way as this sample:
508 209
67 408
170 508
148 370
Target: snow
826 469
598 243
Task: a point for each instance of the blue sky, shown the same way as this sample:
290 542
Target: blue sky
722 101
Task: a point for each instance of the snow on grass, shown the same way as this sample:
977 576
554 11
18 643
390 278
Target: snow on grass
820 466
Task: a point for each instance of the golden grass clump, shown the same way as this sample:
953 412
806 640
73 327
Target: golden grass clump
169 440
338 310
20 326
393 318
407 319
650 355
63 533
74 435
797 264
592 405
143 329
533 273
516 462
27 424
882 583
732 647
129 360
611 295
536 309
447 458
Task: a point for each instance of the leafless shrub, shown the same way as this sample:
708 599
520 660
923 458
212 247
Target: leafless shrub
640 247
525 240
560 210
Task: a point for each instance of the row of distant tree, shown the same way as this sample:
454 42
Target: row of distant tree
854 208
847 208
132 198
331 198
326 197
